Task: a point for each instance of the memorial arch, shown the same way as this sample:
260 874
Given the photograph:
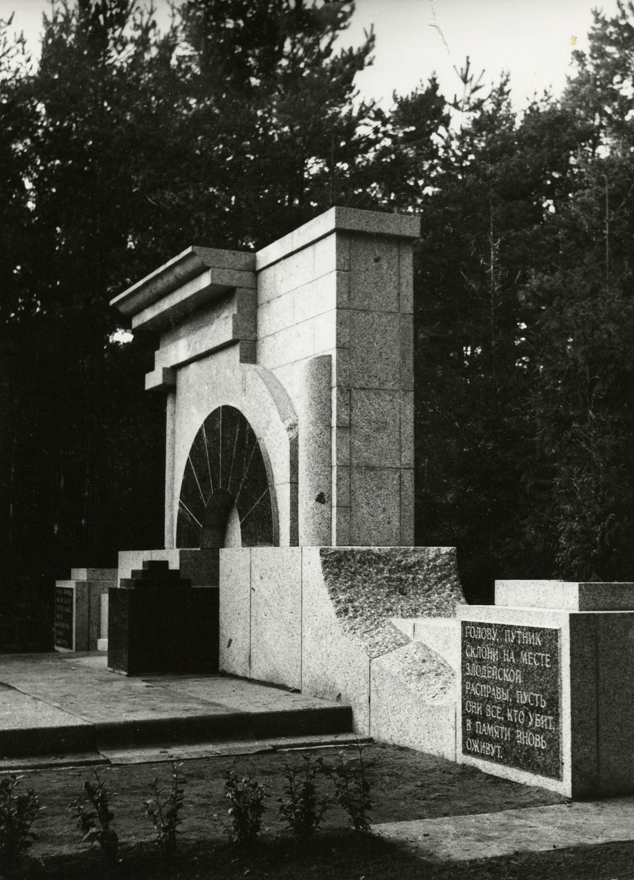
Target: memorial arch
226 496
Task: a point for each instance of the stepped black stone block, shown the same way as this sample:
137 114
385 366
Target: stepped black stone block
161 624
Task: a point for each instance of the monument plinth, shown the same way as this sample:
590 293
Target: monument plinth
547 682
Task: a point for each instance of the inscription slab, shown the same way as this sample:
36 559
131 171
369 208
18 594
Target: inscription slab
511 696
64 618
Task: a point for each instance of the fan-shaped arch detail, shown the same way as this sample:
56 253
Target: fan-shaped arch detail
226 466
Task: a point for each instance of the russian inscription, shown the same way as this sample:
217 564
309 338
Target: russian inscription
64 617
511 696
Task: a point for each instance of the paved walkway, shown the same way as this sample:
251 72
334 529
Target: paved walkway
531 829
72 706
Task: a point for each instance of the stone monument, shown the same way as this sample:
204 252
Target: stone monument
288 378
289 502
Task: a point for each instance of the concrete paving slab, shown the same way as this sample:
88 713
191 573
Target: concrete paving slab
531 829
184 752
80 705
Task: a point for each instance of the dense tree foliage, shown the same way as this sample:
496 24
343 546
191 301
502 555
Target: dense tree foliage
123 145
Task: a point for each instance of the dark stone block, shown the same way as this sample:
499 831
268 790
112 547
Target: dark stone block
163 629
511 696
156 565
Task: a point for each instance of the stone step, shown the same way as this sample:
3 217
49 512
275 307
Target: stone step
65 704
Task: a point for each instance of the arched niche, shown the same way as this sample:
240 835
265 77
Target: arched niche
226 496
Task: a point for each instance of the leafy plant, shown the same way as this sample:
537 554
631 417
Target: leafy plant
164 811
17 814
352 788
303 808
95 822
246 798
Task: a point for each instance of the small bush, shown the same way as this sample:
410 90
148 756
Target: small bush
94 822
246 798
303 808
352 789
17 814
164 811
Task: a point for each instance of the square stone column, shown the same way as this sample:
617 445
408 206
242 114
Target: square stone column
547 686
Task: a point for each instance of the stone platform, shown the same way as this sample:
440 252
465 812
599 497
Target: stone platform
72 707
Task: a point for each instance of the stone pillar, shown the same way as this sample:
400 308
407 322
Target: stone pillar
170 439
315 458
547 686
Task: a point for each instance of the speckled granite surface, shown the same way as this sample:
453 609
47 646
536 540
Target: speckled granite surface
369 585
423 672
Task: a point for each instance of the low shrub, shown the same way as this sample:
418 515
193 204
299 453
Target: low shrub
303 808
95 821
18 811
163 809
246 798
352 788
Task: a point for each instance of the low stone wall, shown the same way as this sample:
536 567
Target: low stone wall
320 619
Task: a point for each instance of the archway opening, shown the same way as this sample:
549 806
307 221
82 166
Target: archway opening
221 523
226 497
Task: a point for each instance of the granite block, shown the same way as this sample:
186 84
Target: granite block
583 755
341 447
343 290
615 696
315 452
341 220
235 612
375 428
202 567
248 349
296 269
315 298
513 715
342 369
343 328
404 625
374 274
275 315
442 635
324 332
375 358
408 489
332 253
407 429
268 287
596 596
341 526
272 351
163 630
376 515
530 593
276 615
103 619
406 277
569 595
407 352
341 478
335 665
93 574
413 700
341 407
368 586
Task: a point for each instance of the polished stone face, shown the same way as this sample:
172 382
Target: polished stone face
225 468
64 617
511 696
